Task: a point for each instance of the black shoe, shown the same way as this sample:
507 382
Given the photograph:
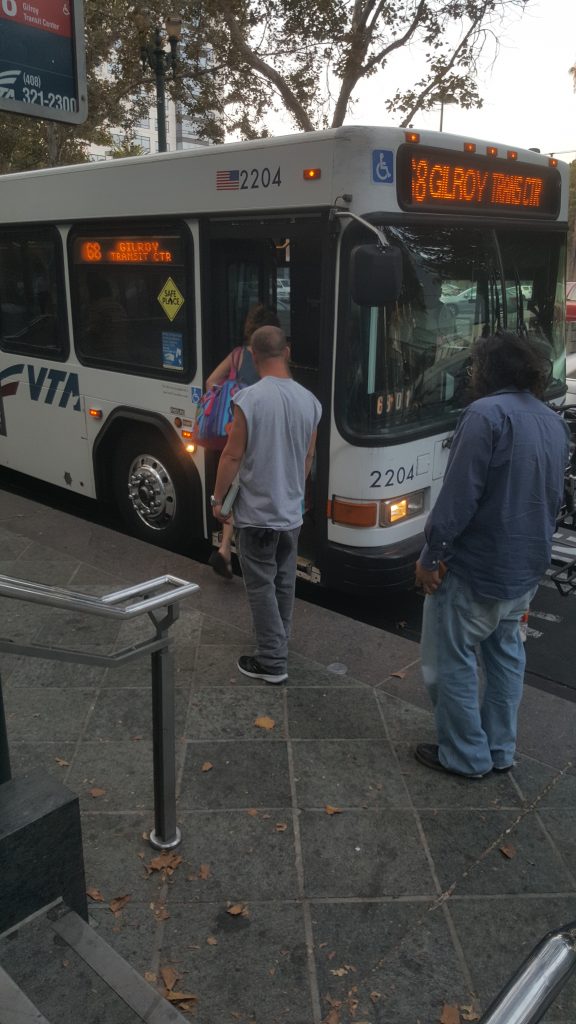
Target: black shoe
249 666
427 754
221 566
506 768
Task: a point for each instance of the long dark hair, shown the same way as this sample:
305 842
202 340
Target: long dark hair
505 359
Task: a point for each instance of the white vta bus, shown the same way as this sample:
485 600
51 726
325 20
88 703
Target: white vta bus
385 252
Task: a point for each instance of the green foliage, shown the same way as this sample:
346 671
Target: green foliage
242 61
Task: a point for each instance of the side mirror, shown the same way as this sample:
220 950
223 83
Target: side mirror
375 275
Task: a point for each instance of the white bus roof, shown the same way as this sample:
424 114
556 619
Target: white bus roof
265 175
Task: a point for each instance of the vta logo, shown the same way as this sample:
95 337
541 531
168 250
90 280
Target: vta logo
45 384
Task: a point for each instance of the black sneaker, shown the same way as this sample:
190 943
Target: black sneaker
249 666
427 754
506 768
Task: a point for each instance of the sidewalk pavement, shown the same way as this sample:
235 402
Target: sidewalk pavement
325 875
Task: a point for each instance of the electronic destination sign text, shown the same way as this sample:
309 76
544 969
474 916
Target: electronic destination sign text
431 179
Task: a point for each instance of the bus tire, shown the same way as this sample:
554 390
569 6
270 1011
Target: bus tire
152 491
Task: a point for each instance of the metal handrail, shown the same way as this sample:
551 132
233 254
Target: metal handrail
534 987
162 594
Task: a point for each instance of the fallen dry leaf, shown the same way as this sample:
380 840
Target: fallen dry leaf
333 1016
339 971
95 895
375 997
211 941
237 910
150 977
165 861
161 914
179 997
398 675
508 851
280 827
264 722
252 811
169 977
204 872
332 810
118 903
469 1013
96 792
450 1015
207 766
62 762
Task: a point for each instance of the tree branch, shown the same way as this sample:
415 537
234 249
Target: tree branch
292 104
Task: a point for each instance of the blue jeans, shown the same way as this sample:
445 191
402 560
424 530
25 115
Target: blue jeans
473 735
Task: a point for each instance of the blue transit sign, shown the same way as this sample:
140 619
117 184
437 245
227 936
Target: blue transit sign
42 59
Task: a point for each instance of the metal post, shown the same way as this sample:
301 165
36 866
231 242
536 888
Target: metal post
160 71
165 834
5 772
538 981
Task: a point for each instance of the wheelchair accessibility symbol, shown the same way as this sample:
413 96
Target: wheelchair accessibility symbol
382 166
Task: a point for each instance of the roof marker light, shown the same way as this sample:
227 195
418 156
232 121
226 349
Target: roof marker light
491 151
552 161
96 414
469 147
512 154
412 136
312 173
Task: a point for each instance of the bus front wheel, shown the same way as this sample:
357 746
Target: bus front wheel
151 489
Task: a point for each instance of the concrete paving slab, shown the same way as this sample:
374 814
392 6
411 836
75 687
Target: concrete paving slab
334 714
347 773
33 713
115 851
256 971
497 936
219 713
245 773
428 788
386 962
235 855
363 854
126 713
466 847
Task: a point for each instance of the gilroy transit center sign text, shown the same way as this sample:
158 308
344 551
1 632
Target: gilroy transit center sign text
42 63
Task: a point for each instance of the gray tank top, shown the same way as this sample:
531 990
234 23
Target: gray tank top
281 417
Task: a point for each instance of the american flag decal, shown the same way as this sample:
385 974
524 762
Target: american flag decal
227 180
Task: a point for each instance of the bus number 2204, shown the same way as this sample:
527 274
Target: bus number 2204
391 476
263 177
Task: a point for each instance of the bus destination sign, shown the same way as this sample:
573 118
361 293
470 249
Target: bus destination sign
128 250
438 179
42 60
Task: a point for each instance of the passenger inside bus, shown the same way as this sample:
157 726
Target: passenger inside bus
107 321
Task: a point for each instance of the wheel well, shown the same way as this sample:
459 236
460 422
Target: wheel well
118 426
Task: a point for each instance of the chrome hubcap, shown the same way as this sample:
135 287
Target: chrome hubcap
152 492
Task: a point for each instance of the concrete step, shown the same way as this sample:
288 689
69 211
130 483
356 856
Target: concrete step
55 969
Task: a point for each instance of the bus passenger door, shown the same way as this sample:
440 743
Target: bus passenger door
278 262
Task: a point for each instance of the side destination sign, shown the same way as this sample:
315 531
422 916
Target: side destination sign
431 179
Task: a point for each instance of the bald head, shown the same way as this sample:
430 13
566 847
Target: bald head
268 343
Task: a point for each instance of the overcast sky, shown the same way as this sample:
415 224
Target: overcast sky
528 94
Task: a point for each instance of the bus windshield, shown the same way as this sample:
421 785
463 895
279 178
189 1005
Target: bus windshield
402 367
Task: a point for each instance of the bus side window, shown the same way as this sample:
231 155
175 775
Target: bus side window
32 314
133 299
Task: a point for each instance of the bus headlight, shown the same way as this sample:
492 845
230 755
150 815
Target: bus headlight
395 510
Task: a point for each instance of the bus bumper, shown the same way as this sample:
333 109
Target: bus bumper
364 570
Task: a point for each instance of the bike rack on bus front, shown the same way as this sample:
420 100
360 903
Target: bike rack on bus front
159 599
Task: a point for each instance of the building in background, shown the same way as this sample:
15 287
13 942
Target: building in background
181 133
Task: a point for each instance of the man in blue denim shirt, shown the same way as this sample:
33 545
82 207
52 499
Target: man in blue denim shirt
488 544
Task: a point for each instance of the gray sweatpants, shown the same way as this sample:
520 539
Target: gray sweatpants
268 560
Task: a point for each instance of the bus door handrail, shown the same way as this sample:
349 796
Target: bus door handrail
159 599
535 985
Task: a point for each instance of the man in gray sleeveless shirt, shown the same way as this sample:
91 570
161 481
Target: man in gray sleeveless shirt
271 445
